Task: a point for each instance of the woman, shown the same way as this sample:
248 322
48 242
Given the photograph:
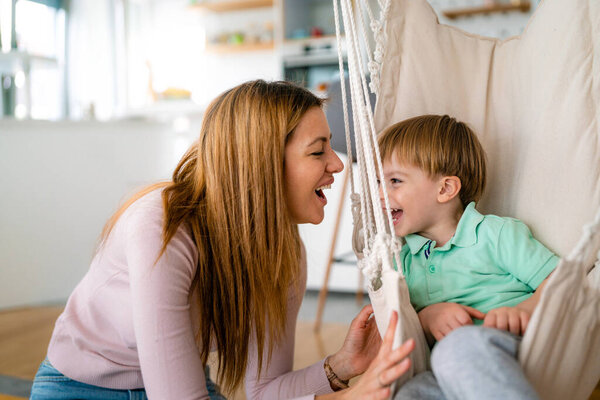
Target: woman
212 261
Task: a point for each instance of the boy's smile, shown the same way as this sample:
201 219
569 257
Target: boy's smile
396 215
414 201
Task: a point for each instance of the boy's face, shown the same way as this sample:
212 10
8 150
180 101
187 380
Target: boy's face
413 197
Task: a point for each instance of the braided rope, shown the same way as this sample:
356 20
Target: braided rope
380 42
378 243
368 268
362 112
368 116
373 67
359 98
338 34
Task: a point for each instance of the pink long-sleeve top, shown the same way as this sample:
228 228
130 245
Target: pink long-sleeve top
130 324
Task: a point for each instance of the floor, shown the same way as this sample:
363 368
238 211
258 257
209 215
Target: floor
25 332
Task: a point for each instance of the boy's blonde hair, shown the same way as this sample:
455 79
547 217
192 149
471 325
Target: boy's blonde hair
440 145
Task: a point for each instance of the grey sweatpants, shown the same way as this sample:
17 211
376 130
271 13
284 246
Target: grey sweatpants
472 362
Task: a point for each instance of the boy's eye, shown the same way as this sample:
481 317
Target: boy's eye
394 180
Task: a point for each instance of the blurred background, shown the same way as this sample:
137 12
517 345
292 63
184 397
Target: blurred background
100 97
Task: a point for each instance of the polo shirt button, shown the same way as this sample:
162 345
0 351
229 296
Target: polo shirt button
432 269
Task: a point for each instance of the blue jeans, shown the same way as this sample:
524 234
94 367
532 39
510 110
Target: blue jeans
472 362
50 384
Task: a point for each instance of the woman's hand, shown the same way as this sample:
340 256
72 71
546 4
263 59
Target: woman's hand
387 366
440 319
360 346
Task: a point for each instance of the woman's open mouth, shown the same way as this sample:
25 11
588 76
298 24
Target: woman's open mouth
320 194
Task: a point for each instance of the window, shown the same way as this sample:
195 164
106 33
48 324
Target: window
32 59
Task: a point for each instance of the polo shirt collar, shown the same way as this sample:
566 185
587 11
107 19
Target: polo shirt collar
415 242
466 231
465 235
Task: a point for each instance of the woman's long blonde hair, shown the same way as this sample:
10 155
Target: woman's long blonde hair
228 190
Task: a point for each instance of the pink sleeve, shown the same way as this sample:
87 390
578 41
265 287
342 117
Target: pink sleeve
277 380
169 359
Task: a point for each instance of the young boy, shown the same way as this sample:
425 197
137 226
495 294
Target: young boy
460 266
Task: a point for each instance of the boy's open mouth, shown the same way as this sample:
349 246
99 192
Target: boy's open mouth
396 215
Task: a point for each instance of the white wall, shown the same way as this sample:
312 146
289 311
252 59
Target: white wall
59 184
61 181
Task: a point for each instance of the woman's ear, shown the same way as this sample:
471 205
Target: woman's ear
449 188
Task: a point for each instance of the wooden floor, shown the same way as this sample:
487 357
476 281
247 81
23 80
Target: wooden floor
24 336
25 333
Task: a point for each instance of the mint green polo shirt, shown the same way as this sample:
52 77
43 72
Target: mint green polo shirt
490 262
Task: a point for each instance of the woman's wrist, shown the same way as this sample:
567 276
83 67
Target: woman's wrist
341 366
336 381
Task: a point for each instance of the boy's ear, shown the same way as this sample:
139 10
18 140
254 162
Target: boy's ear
449 188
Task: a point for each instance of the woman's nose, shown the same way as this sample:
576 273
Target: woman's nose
335 165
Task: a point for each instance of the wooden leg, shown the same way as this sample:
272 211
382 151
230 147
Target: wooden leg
324 288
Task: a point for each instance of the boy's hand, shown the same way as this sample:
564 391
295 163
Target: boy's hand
512 319
440 319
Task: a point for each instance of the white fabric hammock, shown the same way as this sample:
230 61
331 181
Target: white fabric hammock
534 101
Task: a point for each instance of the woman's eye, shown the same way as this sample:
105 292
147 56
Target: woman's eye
318 153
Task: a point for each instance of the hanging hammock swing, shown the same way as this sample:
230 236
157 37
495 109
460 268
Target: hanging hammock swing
534 101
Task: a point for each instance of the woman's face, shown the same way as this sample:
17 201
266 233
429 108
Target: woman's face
310 163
